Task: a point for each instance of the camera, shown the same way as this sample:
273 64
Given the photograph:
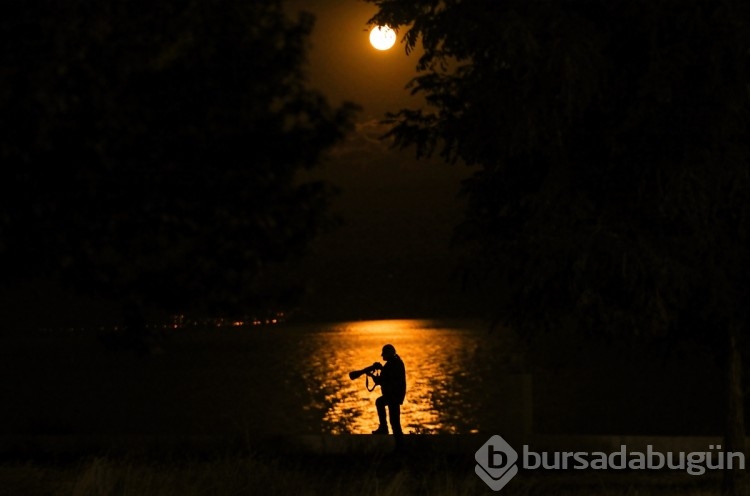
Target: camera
367 370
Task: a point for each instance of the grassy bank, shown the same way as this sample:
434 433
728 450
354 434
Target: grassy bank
319 475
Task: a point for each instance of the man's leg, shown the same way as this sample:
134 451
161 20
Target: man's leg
394 413
380 407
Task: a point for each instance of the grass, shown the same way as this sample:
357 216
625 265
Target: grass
320 475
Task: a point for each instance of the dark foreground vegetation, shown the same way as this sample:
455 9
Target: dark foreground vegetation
329 475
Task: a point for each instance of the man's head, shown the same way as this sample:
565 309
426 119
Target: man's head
388 352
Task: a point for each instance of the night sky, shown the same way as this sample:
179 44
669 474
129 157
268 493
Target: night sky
392 256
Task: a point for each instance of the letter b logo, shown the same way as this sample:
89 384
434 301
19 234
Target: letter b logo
493 455
496 462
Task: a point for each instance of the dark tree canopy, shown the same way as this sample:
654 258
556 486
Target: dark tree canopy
150 149
610 143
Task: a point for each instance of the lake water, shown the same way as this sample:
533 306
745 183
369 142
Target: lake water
444 363
293 379
257 381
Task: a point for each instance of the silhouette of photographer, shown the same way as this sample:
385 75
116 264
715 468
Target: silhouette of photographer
392 382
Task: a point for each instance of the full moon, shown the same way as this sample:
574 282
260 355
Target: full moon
382 37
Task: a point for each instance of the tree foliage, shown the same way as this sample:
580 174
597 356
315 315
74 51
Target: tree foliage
151 149
610 146
611 191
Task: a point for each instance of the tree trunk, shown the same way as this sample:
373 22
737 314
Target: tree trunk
735 483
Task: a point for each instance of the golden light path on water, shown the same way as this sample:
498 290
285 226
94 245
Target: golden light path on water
435 358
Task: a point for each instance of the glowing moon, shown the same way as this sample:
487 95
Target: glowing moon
382 37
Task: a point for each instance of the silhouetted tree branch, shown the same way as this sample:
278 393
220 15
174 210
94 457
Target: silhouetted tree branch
609 139
151 149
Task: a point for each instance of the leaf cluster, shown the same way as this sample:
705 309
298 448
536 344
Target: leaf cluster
609 142
151 149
